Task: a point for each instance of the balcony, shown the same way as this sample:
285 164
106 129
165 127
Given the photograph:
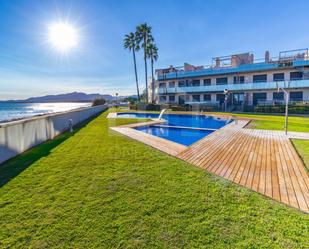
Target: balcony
210 71
236 87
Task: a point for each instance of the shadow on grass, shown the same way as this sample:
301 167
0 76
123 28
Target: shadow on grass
14 166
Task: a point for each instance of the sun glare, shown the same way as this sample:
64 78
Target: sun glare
62 36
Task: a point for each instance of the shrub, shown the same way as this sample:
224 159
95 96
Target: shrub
304 109
99 101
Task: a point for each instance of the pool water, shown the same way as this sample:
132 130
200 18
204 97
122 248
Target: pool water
178 135
182 128
195 121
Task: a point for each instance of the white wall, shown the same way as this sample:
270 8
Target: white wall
19 136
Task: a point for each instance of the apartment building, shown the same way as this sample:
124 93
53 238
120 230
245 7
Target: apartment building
236 80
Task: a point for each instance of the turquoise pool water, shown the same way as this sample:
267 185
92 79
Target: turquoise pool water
180 128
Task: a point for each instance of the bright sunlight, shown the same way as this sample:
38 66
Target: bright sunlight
62 36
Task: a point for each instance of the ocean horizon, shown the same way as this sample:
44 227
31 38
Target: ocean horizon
10 111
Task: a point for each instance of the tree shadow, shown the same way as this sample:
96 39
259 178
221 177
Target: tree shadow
14 166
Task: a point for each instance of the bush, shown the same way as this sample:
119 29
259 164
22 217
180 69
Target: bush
99 101
153 107
304 109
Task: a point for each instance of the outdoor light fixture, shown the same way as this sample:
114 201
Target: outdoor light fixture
225 99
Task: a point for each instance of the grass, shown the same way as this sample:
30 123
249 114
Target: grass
270 122
302 146
98 189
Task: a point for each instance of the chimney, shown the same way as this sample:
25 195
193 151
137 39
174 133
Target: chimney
217 62
234 61
251 58
267 58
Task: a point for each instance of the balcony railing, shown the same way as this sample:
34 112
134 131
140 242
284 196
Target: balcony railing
236 87
209 71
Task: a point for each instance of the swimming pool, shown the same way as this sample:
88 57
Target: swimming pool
184 129
184 120
179 135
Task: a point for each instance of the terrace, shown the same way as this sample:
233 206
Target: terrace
238 63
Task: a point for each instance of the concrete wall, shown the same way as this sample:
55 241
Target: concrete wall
19 136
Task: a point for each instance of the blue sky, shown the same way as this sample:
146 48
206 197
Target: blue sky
185 31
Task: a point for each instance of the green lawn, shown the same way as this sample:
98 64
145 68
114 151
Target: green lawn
269 122
98 189
302 147
272 122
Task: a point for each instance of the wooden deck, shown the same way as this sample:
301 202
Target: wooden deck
261 160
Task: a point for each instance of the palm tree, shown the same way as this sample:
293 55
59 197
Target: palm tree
152 53
131 43
143 34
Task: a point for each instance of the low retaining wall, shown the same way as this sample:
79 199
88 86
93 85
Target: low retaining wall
19 136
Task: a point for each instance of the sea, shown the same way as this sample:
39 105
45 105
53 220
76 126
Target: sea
13 111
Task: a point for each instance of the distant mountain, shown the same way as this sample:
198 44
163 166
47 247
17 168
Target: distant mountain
67 97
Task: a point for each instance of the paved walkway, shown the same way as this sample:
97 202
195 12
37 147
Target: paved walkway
298 135
264 161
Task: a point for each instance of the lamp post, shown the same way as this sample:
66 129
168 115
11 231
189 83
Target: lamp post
286 106
116 100
225 98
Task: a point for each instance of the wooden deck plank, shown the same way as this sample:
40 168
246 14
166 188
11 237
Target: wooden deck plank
274 164
242 173
284 197
258 179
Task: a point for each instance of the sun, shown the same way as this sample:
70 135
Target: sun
62 36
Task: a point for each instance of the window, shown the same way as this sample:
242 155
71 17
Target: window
220 98
239 79
207 97
221 81
196 98
296 75
171 98
259 97
181 99
260 78
162 85
278 96
296 96
162 98
238 98
171 84
278 77
207 82
182 83
195 82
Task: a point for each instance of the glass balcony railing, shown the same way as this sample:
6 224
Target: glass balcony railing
262 66
236 87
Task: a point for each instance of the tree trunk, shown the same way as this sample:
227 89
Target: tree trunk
152 78
136 79
145 61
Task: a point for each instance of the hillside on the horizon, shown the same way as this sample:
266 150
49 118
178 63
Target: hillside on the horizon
67 97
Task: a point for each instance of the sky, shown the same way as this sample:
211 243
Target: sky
185 31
